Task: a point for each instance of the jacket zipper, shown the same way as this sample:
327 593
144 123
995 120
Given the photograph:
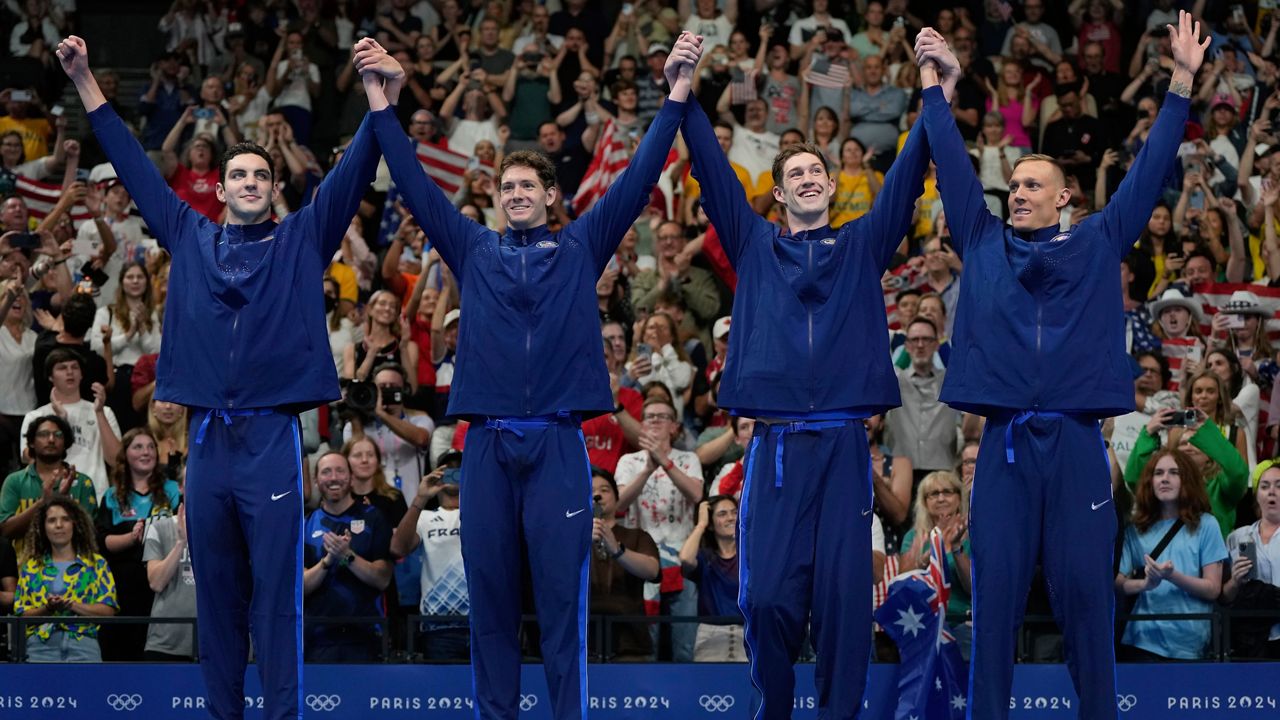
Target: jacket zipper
231 359
528 331
1035 403
809 312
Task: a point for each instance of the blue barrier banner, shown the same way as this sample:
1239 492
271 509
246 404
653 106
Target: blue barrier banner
161 692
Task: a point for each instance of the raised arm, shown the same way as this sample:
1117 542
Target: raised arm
962 198
448 229
611 216
890 216
1125 216
727 207
169 219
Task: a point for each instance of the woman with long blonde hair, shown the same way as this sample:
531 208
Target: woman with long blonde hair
941 502
385 341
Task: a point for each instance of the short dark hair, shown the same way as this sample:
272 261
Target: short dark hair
620 85
790 151
922 320
78 313
245 148
534 160
1066 88
599 472
904 292
61 355
393 367
68 433
722 124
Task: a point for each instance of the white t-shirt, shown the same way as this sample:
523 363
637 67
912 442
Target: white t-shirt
466 133
294 93
810 24
85 452
132 243
753 150
125 350
400 459
16 374
715 31
661 509
444 584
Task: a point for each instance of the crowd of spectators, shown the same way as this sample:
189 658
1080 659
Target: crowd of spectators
91 506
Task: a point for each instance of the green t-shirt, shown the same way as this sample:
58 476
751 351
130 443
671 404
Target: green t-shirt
23 488
960 602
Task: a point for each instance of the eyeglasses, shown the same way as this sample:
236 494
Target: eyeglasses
940 493
969 462
46 434
658 417
922 340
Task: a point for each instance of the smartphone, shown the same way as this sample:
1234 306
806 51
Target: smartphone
25 241
1182 418
451 476
644 350
20 96
203 113
56 111
1234 321
1249 550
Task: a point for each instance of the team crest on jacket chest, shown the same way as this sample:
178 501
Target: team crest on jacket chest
357 527
547 244
1060 237
828 241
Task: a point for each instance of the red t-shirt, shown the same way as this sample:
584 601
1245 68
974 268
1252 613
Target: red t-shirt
197 190
420 333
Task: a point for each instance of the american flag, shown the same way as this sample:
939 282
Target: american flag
827 74
610 159
40 198
932 677
443 165
742 88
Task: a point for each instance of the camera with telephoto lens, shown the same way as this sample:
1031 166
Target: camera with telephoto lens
362 398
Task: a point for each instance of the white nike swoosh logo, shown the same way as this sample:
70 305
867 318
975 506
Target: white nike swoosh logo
575 512
1095 506
867 512
275 497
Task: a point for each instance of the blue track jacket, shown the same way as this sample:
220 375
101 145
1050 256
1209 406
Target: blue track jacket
809 318
244 324
1040 320
529 339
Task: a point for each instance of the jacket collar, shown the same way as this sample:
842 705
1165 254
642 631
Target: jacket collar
525 238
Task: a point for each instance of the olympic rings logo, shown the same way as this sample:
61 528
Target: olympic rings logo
527 702
1126 702
716 703
323 703
124 703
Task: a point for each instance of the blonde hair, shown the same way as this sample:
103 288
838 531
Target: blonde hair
940 480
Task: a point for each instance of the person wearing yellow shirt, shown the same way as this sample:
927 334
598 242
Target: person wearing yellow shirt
25 117
856 185
724 133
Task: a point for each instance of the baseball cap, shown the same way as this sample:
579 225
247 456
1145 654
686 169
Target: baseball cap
452 316
721 328
658 48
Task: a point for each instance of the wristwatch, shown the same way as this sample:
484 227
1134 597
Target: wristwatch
622 550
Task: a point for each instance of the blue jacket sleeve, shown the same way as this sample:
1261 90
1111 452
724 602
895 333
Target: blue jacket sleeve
448 230
327 216
890 215
722 197
1126 214
967 213
608 220
169 219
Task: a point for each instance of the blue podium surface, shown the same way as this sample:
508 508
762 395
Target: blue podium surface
160 692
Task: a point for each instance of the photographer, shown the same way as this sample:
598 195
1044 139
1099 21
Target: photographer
401 435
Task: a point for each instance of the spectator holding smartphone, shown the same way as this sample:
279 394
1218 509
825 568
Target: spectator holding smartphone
1222 469
1254 583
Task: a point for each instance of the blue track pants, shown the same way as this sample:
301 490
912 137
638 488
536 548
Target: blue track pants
244 520
526 487
1042 492
805 529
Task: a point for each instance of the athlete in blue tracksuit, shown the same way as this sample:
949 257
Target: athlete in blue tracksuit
1038 348
530 364
808 359
246 348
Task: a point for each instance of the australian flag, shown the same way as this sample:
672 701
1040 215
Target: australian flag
933 679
